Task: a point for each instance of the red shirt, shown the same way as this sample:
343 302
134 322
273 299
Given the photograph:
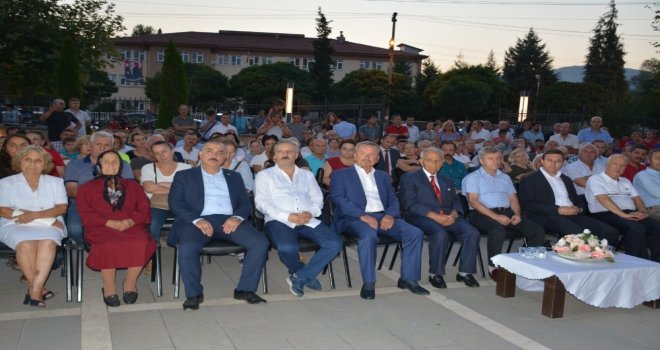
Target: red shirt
396 130
57 161
631 171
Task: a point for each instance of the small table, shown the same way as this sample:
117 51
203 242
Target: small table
627 282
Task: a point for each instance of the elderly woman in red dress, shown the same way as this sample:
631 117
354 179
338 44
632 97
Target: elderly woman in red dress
115 213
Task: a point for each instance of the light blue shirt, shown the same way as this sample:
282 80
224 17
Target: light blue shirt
314 163
647 183
344 129
216 194
493 191
531 136
588 135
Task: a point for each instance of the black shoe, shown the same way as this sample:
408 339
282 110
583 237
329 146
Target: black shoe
412 286
368 291
250 297
110 300
193 302
438 282
468 280
130 297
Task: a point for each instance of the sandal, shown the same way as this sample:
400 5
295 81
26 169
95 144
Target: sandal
110 300
48 295
33 302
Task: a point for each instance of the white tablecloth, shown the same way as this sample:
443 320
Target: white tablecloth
627 282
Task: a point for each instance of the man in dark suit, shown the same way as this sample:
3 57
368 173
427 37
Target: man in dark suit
430 203
366 206
211 203
548 198
388 155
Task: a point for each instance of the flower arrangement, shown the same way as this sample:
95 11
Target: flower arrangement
583 246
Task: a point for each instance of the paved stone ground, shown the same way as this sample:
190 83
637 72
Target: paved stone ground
455 318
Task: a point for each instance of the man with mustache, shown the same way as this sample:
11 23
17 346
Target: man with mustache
290 199
210 203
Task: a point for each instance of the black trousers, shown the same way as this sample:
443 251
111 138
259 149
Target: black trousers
635 234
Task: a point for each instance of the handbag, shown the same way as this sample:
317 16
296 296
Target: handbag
159 200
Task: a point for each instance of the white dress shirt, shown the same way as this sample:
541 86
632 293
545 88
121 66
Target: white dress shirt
276 195
621 192
558 189
368 181
578 169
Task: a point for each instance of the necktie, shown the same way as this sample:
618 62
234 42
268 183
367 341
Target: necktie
386 159
436 189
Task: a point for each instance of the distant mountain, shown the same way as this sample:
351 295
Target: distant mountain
575 74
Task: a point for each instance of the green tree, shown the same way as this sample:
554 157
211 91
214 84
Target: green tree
142 30
524 61
32 33
373 84
565 97
656 24
646 100
266 83
471 92
173 87
429 73
98 86
403 67
321 69
208 86
67 72
605 64
491 62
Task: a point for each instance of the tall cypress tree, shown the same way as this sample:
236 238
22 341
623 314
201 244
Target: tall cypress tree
605 62
68 72
526 60
173 86
321 69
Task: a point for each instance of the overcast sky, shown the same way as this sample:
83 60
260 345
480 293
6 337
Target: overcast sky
442 28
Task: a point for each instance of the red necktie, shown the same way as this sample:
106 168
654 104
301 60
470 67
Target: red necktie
436 189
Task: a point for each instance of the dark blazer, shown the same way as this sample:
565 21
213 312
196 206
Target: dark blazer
537 198
186 197
394 156
347 195
418 198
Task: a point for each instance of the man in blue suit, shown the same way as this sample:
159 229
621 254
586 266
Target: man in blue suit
366 206
211 203
430 203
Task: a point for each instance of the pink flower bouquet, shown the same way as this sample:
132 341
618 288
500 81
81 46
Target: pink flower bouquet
583 246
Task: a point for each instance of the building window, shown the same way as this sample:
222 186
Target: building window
295 61
160 56
235 60
307 63
377 65
196 57
113 78
125 54
110 57
267 59
364 64
185 56
223 59
139 55
253 60
339 65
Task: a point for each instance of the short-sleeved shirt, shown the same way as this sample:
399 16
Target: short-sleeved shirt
621 192
647 184
179 121
588 135
531 136
570 140
298 131
396 130
81 171
370 132
315 163
493 190
148 174
83 117
192 156
222 129
578 169
58 121
344 129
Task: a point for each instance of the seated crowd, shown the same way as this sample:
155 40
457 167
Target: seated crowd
114 191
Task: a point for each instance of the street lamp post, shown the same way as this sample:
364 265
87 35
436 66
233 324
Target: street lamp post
289 101
390 66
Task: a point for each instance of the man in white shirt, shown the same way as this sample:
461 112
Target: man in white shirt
565 138
502 125
647 183
223 127
413 130
188 151
580 170
238 165
479 134
613 200
290 199
82 116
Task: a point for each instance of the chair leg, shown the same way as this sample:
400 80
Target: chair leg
331 275
80 263
382 258
508 249
67 264
346 267
152 277
174 268
264 278
159 272
398 248
458 255
177 273
449 248
481 262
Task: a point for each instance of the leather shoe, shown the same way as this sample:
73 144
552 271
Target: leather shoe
192 303
110 300
493 274
412 286
467 279
437 281
368 291
249 297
